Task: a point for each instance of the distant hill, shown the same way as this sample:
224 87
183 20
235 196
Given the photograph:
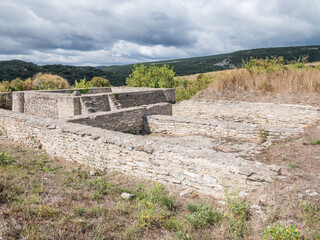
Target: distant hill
195 65
117 75
10 70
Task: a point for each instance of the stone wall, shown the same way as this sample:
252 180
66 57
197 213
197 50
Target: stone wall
192 163
264 114
6 101
93 103
213 128
132 99
50 105
66 103
85 90
129 120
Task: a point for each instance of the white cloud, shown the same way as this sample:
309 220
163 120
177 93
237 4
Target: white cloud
99 32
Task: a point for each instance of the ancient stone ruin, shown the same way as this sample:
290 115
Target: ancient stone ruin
207 146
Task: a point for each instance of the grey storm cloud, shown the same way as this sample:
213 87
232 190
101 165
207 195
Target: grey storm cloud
102 32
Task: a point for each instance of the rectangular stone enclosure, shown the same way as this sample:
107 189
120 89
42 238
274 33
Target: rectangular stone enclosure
67 103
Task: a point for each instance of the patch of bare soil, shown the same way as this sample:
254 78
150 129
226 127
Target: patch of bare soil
211 94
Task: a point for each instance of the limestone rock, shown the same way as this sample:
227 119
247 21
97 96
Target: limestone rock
127 196
186 193
76 93
311 193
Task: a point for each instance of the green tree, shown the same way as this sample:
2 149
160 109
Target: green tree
82 84
154 77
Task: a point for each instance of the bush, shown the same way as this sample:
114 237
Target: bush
202 215
279 232
154 77
238 214
82 84
5 159
15 85
186 89
153 204
99 82
18 85
5 87
44 81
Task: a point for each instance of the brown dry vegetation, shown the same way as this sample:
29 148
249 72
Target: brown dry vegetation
287 80
286 85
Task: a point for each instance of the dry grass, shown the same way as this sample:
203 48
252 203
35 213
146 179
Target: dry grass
44 198
289 80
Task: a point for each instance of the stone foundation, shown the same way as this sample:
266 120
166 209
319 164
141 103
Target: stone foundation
70 102
190 162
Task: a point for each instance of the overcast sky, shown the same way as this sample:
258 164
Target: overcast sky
107 32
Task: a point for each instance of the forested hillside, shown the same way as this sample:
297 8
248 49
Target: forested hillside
10 70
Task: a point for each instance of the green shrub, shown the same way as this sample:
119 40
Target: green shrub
203 215
99 82
186 89
82 84
153 204
15 85
5 159
281 232
238 214
18 85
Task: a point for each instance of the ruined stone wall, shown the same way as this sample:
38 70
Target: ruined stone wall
6 101
50 105
192 163
132 99
93 103
129 120
264 114
65 103
217 129
87 91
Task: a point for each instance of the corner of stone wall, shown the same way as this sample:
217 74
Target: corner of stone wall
170 95
68 107
18 102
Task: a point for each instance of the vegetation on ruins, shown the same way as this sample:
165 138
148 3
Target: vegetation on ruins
163 77
100 82
44 81
40 81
